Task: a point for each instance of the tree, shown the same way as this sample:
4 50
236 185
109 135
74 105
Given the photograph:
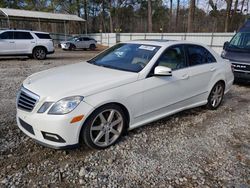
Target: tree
110 17
150 16
170 15
228 11
191 16
177 15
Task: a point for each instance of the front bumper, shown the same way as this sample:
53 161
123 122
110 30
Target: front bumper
241 71
64 46
54 131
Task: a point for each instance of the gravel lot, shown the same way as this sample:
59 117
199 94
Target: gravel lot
195 148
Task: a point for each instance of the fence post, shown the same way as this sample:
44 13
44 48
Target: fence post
130 36
212 40
101 38
108 39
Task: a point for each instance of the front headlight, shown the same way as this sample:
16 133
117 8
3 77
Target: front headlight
65 105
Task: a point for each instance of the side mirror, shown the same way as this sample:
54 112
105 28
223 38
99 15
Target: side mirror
162 71
226 44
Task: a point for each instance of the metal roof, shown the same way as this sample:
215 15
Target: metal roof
36 14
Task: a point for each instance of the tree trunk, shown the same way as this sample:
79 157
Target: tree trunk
85 5
103 16
233 20
150 16
177 15
191 16
110 17
242 6
170 15
78 7
228 11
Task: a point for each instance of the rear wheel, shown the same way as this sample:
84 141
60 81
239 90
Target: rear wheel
92 47
39 53
216 96
104 127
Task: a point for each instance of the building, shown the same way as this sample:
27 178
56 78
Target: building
62 24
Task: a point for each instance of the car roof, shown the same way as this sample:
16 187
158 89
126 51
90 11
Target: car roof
24 31
162 43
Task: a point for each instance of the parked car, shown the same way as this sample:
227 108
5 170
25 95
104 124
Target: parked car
124 87
34 44
79 43
237 51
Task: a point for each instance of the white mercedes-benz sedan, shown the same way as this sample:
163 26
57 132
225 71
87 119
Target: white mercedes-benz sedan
124 87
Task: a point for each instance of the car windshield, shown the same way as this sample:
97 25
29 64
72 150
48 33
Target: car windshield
240 42
126 56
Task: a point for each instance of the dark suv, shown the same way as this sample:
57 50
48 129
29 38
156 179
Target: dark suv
237 51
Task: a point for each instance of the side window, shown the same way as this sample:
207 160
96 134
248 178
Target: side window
86 39
7 35
173 58
22 35
197 55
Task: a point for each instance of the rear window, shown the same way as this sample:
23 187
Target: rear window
43 36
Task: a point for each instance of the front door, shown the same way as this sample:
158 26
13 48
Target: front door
165 94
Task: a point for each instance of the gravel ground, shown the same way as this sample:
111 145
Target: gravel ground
195 148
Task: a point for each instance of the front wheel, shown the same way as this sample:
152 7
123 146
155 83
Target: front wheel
104 127
216 96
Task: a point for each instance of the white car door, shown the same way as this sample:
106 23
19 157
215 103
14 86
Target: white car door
24 42
202 66
167 94
7 44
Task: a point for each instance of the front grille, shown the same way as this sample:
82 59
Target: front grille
241 66
26 100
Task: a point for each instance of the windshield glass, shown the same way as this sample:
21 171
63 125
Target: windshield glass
240 42
127 57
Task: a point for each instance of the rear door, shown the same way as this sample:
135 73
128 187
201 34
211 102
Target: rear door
7 44
24 42
202 66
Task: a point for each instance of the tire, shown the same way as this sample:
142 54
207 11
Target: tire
216 96
72 47
39 53
98 131
92 47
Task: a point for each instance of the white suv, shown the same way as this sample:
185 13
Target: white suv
34 44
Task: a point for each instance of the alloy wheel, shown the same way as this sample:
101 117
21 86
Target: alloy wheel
106 128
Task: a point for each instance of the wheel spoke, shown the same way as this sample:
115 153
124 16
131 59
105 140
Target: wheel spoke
107 138
99 136
111 116
96 128
103 120
114 123
114 131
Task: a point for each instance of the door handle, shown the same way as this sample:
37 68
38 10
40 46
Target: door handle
212 69
12 42
185 76
32 42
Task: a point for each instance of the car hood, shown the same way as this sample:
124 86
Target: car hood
77 79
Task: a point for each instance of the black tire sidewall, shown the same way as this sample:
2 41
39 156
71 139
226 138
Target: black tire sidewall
209 101
92 47
39 48
85 132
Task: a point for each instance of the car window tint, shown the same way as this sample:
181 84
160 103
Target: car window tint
198 55
7 35
86 39
43 35
173 58
22 35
